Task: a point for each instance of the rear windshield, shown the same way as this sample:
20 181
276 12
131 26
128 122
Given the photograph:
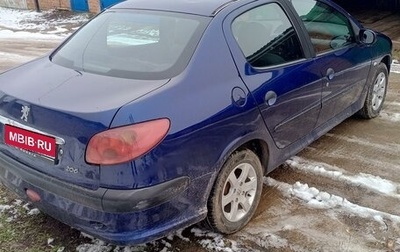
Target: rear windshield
133 44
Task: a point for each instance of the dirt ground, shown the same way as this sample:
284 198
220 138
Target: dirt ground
367 220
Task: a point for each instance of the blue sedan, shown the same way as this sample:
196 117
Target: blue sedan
156 115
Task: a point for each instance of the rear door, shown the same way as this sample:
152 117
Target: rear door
79 5
344 62
107 3
274 62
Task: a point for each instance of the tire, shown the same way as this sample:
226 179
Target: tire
236 193
376 93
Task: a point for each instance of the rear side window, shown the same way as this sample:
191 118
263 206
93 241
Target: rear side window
133 44
266 36
328 28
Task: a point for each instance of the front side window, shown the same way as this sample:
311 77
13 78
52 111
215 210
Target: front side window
133 44
328 28
266 36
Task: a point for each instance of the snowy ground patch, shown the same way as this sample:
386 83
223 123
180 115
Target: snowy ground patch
371 182
395 68
51 21
207 239
323 200
18 19
13 210
30 35
393 117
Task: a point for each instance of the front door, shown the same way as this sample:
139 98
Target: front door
283 79
79 5
107 3
343 62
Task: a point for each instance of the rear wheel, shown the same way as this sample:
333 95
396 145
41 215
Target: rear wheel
236 193
376 93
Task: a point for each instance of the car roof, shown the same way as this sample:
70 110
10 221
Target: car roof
198 7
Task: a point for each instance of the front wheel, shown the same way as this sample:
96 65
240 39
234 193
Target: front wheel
376 93
236 193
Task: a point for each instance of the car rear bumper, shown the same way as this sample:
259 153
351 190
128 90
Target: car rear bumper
108 200
119 216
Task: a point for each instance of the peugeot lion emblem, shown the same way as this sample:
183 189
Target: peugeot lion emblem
25 112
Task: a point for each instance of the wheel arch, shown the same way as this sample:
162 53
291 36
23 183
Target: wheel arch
387 61
260 148
256 145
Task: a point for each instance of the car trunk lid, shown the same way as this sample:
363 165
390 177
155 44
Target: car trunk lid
51 104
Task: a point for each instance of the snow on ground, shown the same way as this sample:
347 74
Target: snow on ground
17 208
30 35
390 116
14 56
392 103
45 21
18 19
371 182
395 67
46 25
207 239
323 200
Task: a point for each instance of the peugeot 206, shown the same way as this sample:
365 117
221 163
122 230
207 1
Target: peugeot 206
156 115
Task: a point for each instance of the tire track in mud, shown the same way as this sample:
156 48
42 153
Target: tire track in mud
338 222
389 148
307 219
363 189
367 181
390 116
360 147
14 53
391 109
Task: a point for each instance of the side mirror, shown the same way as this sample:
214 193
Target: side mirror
367 37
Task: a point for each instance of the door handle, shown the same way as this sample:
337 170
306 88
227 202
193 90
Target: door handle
270 98
330 73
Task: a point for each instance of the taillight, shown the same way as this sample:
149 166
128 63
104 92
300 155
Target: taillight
126 143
